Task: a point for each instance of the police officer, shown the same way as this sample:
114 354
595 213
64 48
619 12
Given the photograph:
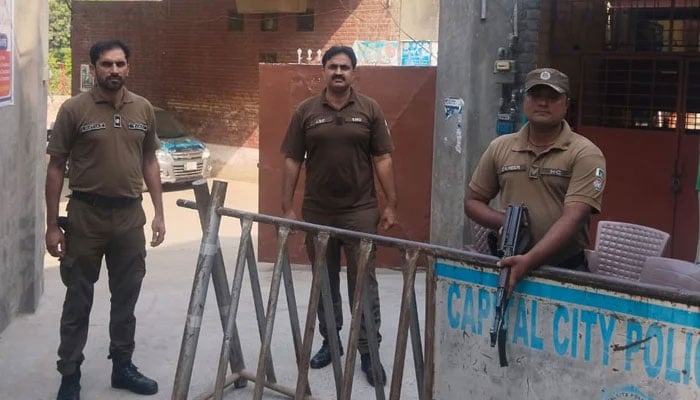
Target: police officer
343 138
558 174
109 134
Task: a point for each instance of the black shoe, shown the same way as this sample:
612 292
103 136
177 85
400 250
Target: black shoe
367 369
126 376
70 387
323 357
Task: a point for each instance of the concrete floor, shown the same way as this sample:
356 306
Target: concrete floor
28 345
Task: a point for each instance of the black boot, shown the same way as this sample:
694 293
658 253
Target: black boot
323 357
367 369
125 375
70 387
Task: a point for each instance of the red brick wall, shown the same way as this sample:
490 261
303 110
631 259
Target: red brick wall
185 59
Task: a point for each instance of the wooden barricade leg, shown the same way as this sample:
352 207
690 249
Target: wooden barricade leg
220 282
321 244
282 234
429 347
373 342
205 261
233 310
292 307
362 261
331 326
416 342
259 308
405 315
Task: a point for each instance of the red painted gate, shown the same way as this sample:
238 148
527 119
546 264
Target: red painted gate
644 114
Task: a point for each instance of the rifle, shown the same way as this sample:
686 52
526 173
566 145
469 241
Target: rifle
514 240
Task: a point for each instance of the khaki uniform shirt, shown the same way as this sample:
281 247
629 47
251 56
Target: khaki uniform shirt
105 144
338 145
571 170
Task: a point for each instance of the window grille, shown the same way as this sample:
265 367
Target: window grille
653 25
640 93
627 25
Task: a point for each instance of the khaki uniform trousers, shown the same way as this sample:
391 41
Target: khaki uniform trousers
362 221
94 232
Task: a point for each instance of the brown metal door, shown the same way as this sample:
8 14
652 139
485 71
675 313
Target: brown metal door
632 109
407 97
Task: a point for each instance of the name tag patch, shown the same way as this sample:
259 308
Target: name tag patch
555 172
319 121
135 126
511 168
95 126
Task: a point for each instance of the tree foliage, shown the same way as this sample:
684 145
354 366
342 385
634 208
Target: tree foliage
59 24
59 46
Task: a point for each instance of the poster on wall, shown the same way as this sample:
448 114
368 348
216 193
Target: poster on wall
6 41
418 53
381 52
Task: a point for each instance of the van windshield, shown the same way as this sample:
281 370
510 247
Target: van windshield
167 126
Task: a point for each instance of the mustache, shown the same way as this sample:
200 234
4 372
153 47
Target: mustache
338 77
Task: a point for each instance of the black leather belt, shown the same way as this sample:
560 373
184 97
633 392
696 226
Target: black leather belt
97 200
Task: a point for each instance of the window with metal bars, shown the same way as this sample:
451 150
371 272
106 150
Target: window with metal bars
653 25
641 93
626 25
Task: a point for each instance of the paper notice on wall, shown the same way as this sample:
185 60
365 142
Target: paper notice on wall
6 49
453 111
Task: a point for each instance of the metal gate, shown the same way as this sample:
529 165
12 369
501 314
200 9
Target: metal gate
643 112
210 264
